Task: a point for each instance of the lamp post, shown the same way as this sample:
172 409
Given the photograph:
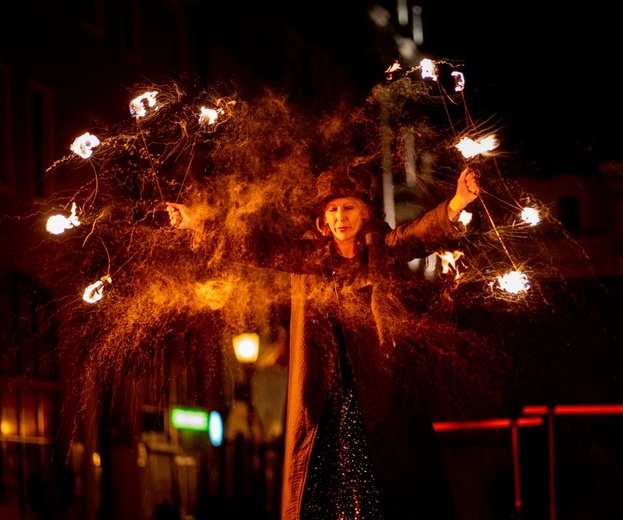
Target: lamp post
246 348
239 428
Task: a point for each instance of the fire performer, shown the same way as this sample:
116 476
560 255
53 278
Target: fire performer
359 442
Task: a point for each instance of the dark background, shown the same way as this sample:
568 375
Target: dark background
547 71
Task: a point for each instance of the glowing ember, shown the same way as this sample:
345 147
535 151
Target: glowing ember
459 81
470 148
208 116
530 216
57 224
465 217
514 282
394 67
139 105
448 261
84 145
428 69
95 292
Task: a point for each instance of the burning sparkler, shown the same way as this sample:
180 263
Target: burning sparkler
448 261
57 224
429 70
459 81
208 116
140 104
83 145
470 148
530 216
95 292
465 217
392 68
514 282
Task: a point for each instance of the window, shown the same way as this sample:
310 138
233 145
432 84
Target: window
29 399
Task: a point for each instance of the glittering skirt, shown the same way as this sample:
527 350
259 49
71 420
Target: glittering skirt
340 484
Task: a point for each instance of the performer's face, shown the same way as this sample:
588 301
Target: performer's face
345 217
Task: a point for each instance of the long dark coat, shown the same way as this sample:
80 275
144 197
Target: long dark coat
409 471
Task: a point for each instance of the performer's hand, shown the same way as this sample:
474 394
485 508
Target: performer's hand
467 190
182 217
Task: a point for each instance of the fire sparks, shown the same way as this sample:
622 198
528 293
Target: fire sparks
57 224
95 292
83 145
459 81
470 148
429 70
514 282
448 262
465 217
391 69
530 216
208 116
140 104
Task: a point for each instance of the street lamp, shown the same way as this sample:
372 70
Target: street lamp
240 453
255 424
246 347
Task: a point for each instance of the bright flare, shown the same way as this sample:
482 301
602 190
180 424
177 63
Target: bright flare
514 282
448 261
94 292
391 69
208 116
428 69
84 145
139 105
57 224
530 216
465 217
470 148
459 81
246 347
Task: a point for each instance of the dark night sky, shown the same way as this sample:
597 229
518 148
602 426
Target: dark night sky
549 74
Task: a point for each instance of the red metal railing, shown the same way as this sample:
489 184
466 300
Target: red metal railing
533 415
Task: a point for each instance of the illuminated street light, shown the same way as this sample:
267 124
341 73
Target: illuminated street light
246 347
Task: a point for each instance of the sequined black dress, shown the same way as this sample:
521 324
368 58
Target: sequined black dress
341 483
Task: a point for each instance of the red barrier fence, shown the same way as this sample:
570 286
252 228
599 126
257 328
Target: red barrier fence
533 415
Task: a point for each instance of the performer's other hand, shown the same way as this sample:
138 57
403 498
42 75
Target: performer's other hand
467 190
182 217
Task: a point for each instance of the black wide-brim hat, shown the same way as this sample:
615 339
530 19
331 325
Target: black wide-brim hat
340 182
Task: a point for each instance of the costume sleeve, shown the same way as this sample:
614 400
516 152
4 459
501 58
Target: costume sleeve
423 236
